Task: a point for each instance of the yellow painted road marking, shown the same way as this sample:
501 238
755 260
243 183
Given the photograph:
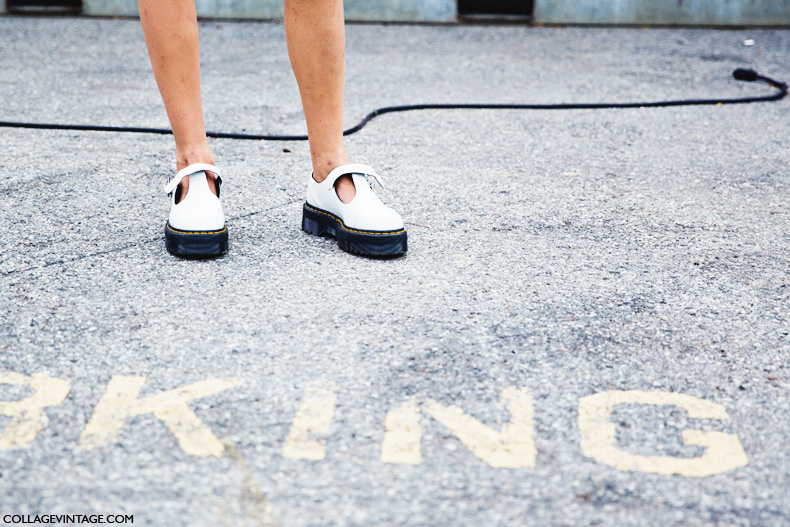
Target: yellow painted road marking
27 415
120 403
511 447
312 422
402 437
599 441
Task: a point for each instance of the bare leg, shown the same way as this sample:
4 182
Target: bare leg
315 32
171 33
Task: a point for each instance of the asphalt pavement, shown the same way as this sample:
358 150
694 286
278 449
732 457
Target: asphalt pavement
591 325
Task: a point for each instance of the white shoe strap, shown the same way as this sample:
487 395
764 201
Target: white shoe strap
188 171
353 168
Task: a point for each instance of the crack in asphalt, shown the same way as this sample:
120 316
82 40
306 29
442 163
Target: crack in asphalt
64 261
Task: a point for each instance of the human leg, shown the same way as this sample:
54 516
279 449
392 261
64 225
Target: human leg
340 201
315 32
171 34
196 224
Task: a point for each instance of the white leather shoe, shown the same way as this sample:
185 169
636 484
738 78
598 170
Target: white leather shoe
364 225
196 226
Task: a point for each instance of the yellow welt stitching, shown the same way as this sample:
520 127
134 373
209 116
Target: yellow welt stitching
196 232
351 230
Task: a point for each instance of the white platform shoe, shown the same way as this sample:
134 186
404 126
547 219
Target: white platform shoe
364 225
196 226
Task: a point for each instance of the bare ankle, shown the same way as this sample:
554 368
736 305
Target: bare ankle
323 165
186 156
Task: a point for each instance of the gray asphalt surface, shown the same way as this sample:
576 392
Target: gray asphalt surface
564 253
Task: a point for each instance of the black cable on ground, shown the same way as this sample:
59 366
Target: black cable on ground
739 74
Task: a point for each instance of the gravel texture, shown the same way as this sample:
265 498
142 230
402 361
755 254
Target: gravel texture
566 252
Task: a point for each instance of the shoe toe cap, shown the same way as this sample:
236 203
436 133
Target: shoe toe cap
384 219
197 218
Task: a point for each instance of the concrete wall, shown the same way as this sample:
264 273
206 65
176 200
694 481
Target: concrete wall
687 12
373 10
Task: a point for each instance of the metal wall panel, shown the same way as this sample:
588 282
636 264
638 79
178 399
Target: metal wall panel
686 12
388 10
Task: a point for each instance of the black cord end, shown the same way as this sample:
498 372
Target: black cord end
745 75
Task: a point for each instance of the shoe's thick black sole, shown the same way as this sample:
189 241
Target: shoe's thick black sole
370 243
195 244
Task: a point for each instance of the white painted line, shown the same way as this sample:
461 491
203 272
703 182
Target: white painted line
402 437
511 447
312 422
120 402
599 441
27 415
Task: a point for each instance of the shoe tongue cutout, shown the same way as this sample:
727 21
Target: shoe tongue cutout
198 182
353 184
194 168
